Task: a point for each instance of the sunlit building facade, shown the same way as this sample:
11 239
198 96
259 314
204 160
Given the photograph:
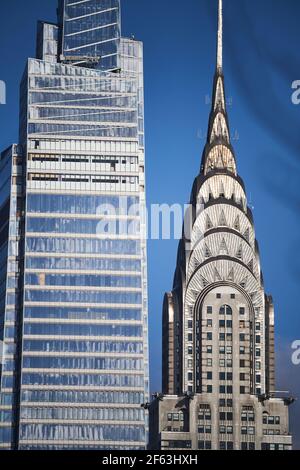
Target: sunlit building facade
75 355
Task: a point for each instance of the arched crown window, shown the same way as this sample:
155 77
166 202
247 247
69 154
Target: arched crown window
225 310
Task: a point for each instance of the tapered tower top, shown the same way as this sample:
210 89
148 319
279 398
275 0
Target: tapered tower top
218 153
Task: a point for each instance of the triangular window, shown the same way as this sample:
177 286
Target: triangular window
230 276
217 276
239 253
222 220
223 250
207 252
237 225
209 224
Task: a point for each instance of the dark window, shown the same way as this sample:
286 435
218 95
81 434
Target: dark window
209 310
209 375
222 402
222 376
222 323
204 445
242 390
209 389
225 310
242 310
209 336
180 444
190 324
218 296
265 419
190 337
232 296
229 323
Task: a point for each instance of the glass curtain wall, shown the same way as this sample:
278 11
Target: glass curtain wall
91 33
11 182
83 334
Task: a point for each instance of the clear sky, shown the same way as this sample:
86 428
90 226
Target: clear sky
261 60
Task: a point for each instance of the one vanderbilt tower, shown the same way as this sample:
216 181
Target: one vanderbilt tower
73 298
218 322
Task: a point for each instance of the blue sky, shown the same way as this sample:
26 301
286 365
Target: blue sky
261 60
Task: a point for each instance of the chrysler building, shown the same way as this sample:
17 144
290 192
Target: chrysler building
218 322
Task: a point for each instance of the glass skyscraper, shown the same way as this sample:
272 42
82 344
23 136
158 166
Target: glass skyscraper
73 299
218 322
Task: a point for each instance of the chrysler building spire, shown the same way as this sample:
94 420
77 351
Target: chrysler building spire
218 152
220 38
218 322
